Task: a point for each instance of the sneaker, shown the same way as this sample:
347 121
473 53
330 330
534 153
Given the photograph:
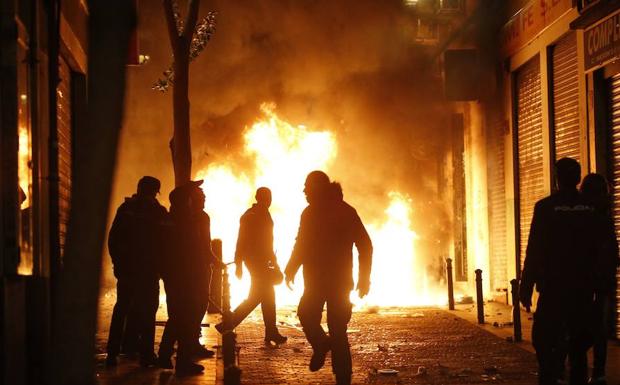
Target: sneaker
110 361
164 362
318 357
188 369
148 361
276 338
601 380
201 352
222 328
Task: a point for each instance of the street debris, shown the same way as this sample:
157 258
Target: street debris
388 372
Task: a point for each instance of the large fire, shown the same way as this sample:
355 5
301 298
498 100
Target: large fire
283 155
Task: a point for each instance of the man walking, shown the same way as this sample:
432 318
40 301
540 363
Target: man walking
134 245
255 248
327 231
560 261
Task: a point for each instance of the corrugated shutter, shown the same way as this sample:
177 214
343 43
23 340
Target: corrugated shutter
497 205
64 149
615 145
566 98
529 146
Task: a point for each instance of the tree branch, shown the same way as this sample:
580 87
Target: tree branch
172 25
190 22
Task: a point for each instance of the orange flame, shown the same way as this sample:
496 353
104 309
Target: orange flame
283 155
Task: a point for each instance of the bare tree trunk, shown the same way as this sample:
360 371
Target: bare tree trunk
180 41
181 142
110 26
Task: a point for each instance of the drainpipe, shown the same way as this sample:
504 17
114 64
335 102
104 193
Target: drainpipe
53 21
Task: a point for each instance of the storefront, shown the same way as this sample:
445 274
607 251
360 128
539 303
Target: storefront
545 109
601 39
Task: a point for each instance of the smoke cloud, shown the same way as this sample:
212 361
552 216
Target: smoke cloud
348 66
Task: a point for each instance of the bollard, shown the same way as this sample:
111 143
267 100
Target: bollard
450 284
215 304
479 298
232 372
516 311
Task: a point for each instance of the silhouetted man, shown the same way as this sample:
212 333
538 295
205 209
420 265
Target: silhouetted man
327 231
595 191
134 245
255 248
560 261
186 271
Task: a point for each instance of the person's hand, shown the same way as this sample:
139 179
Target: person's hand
239 271
525 297
289 282
363 287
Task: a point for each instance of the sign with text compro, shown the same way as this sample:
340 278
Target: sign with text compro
602 42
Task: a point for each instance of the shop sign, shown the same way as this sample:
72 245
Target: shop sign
602 42
532 19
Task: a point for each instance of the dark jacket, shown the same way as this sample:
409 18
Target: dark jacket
188 259
255 240
607 253
327 232
135 239
562 247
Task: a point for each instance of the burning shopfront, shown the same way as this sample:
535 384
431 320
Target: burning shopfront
43 90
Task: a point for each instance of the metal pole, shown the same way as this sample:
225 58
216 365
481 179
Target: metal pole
232 373
479 297
516 311
215 305
450 284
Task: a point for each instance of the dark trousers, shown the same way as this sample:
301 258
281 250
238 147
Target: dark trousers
136 305
310 312
185 313
261 292
125 294
560 329
603 305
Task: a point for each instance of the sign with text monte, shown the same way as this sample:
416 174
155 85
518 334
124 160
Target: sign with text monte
532 19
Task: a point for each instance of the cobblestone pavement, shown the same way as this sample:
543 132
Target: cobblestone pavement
425 346
128 372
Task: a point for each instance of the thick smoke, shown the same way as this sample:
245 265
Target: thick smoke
350 66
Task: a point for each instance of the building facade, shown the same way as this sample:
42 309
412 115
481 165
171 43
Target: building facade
556 94
43 87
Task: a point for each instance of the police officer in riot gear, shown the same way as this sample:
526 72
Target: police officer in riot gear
328 229
560 262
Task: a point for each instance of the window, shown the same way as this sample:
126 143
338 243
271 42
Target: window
24 162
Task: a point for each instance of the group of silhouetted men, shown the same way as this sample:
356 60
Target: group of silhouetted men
571 259
146 243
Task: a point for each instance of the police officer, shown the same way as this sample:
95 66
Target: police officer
134 247
255 248
327 231
560 262
595 190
